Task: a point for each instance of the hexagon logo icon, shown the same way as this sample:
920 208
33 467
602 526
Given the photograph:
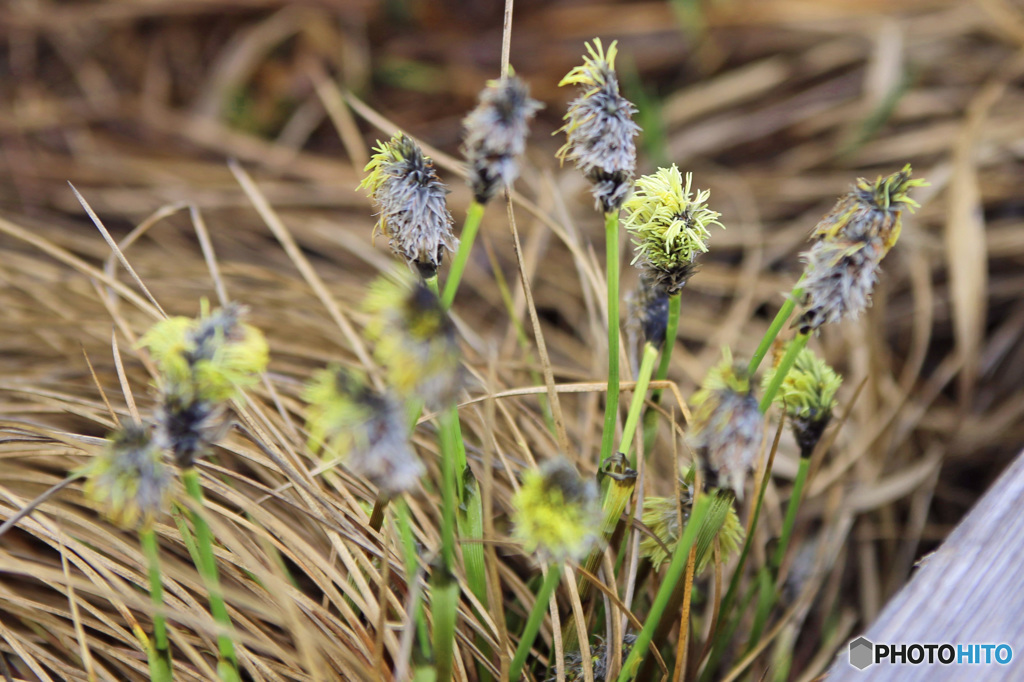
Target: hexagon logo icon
861 653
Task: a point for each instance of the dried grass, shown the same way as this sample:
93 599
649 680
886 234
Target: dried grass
776 104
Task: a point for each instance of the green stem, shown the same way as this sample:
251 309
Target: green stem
449 485
643 380
791 509
792 350
540 607
671 331
611 410
159 653
471 527
410 555
776 326
208 570
618 481
469 229
444 601
675 570
431 283
723 634
767 595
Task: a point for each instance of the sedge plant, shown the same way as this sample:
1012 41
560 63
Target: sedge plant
203 363
130 481
670 224
555 516
599 132
841 268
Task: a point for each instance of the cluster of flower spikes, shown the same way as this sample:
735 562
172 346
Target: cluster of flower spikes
202 363
128 477
849 243
662 516
367 427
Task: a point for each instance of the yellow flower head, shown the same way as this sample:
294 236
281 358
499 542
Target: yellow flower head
128 478
364 427
871 210
414 339
209 358
203 363
599 128
662 516
727 424
669 225
557 513
808 394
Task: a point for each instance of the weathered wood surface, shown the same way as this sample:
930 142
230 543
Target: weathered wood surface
971 590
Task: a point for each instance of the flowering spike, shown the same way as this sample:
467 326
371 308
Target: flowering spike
496 133
203 363
415 340
727 425
670 226
366 428
871 210
129 478
839 277
648 310
410 199
808 394
557 513
850 242
599 128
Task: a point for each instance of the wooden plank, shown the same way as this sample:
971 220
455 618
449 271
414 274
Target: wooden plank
970 591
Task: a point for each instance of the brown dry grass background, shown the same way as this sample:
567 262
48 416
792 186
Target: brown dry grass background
776 105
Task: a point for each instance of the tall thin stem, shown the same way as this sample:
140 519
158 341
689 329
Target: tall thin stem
474 215
208 570
643 380
671 330
449 485
786 364
776 326
611 410
410 554
791 509
540 607
675 570
159 653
